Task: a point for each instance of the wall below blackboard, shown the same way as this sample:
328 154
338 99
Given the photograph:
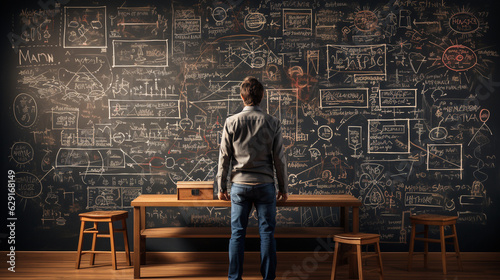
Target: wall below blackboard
390 101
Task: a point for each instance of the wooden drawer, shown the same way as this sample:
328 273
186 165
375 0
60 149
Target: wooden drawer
194 190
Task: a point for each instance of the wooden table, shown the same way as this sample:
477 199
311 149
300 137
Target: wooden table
162 200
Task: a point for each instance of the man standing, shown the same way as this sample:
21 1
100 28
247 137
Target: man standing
252 142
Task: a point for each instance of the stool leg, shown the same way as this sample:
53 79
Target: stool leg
353 262
112 241
426 245
377 248
457 250
125 239
335 260
80 243
443 248
94 238
412 244
360 261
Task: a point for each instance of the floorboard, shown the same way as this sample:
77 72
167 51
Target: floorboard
213 266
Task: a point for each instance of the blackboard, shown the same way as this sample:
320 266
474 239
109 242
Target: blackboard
390 101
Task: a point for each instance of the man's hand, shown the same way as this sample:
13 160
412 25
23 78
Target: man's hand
224 196
282 196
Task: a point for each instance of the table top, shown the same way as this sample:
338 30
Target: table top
294 200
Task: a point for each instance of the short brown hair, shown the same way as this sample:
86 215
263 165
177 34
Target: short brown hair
252 91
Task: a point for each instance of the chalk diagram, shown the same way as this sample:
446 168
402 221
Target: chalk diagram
254 22
236 51
41 27
365 20
484 116
465 22
88 82
21 153
25 110
85 27
83 85
371 182
138 23
219 14
29 186
460 60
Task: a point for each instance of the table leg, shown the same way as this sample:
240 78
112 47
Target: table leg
426 244
143 239
344 216
137 242
344 222
143 250
353 261
355 219
457 250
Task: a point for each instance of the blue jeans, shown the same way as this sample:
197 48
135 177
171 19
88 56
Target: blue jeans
263 196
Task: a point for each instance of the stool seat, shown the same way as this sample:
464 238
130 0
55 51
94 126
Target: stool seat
108 217
358 239
434 220
113 215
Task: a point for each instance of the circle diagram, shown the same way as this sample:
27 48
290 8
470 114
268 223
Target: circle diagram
464 23
254 22
366 20
459 58
21 152
25 110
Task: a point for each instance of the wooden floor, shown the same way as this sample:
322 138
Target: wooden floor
213 266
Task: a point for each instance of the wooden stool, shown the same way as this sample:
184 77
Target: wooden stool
108 217
358 239
434 220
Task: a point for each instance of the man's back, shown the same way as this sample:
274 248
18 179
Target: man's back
252 142
253 134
